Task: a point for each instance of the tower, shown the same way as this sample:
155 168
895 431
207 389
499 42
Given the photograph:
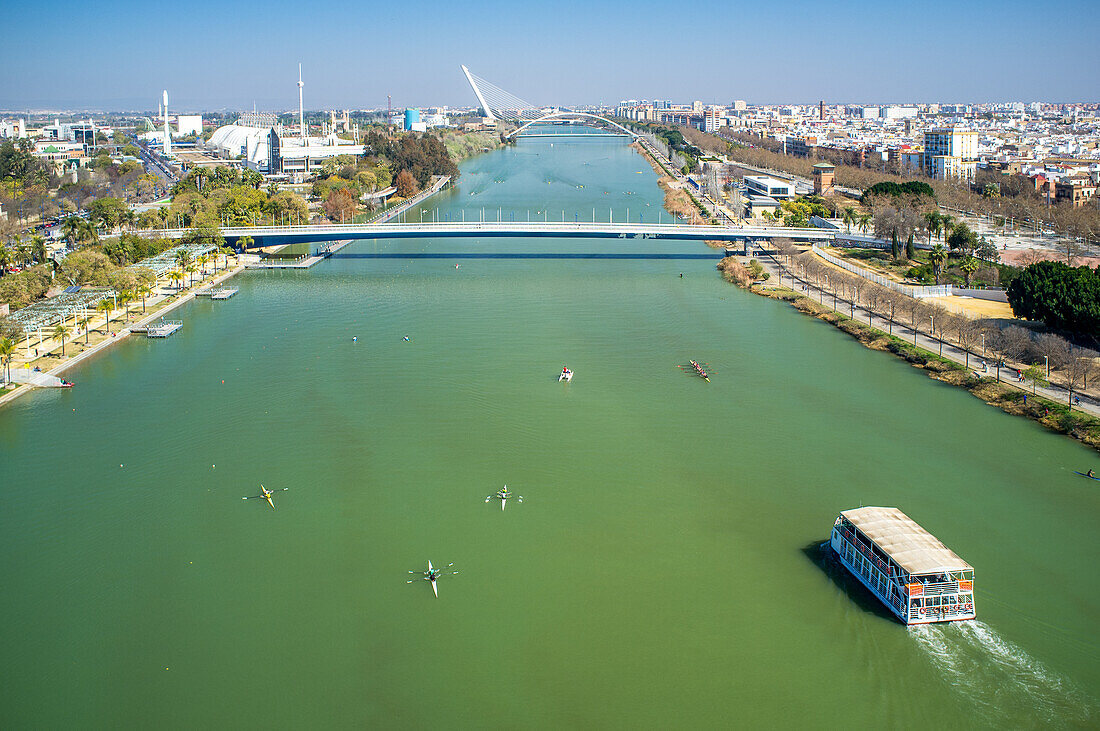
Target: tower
301 110
821 109
167 133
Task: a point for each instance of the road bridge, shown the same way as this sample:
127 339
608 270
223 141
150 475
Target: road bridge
277 235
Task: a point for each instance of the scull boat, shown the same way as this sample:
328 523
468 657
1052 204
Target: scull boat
700 369
1091 477
502 495
565 375
264 494
432 574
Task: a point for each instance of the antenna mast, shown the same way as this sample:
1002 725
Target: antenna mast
301 110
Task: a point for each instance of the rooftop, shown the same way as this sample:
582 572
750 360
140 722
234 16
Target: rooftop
913 548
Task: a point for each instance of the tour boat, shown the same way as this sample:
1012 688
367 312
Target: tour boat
916 576
565 375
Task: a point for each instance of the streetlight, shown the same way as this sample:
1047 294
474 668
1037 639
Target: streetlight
1046 360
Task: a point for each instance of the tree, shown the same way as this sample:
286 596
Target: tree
125 297
892 302
968 267
1073 361
406 184
916 313
143 290
107 212
1062 297
849 217
340 204
1037 375
966 334
895 250
865 221
938 257
38 249
60 332
962 239
84 322
177 277
933 224
910 250
7 350
106 306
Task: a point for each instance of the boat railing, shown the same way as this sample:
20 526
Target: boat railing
883 566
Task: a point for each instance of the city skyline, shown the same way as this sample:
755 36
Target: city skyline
548 55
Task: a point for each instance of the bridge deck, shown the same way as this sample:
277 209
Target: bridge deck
271 235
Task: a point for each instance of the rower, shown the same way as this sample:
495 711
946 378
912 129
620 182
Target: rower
1090 474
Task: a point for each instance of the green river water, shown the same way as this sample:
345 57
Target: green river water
665 569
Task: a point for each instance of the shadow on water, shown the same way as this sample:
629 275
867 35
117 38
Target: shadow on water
521 255
821 555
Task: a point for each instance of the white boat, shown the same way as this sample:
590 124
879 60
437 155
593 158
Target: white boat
431 578
565 375
908 569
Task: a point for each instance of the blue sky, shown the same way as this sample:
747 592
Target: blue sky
120 53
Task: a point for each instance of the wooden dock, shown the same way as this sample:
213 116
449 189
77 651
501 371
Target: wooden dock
162 329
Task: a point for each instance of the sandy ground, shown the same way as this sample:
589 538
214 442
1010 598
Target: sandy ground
975 308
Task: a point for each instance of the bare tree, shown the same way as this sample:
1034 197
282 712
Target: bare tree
914 311
939 319
1015 343
876 296
1072 360
966 334
891 305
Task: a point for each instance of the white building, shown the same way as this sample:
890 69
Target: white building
270 151
189 124
950 152
765 185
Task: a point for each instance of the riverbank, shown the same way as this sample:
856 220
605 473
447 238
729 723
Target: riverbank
1057 417
678 200
155 310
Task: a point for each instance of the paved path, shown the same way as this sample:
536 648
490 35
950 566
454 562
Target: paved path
928 342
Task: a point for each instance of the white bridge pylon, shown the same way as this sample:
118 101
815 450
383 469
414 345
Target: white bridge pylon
499 104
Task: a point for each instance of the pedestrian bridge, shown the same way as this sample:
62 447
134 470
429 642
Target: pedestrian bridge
278 235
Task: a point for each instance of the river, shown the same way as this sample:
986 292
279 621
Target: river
665 568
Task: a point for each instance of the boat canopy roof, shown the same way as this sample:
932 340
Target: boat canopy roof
913 548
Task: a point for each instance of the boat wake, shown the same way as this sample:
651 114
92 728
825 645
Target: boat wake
1008 686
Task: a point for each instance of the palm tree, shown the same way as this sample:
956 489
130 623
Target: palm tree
5 259
938 257
190 269
143 291
864 221
38 249
84 322
7 350
968 267
176 276
933 221
203 260
947 225
849 217
183 258
125 297
60 332
105 306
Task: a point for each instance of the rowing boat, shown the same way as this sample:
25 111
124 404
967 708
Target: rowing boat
431 578
1083 474
566 375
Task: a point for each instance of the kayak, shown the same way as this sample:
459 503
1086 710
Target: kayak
1091 477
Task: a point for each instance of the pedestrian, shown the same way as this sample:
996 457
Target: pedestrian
1025 399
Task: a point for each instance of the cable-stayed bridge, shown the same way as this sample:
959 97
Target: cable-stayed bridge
500 104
